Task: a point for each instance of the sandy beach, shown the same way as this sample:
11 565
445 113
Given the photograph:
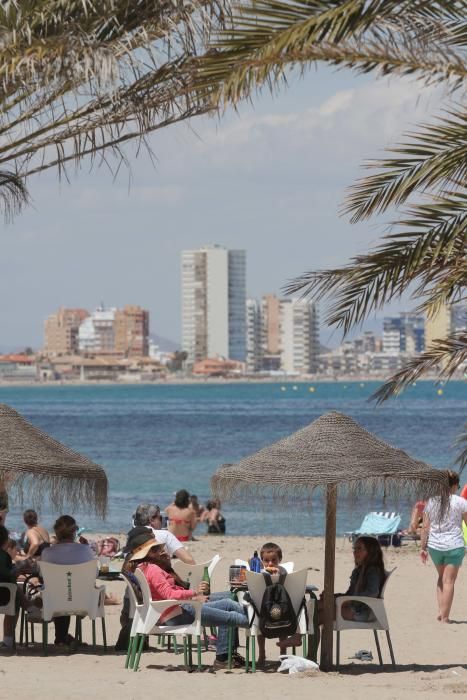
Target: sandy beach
431 658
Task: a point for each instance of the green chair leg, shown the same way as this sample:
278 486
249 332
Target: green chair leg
129 650
93 622
190 651
104 634
253 654
198 649
45 630
140 651
304 646
247 654
32 633
185 653
176 651
134 651
229 648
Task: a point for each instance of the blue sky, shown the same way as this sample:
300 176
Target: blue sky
269 179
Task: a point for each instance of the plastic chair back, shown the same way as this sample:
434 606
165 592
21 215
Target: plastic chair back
294 584
69 589
193 573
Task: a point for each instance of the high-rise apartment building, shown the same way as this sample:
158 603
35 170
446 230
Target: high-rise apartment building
254 335
132 332
459 317
439 326
97 332
214 303
299 336
404 333
61 331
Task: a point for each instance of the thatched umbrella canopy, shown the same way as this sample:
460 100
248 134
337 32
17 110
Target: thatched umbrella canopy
32 461
337 453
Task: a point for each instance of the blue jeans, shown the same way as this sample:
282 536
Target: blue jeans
223 613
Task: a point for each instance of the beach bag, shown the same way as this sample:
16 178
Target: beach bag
276 617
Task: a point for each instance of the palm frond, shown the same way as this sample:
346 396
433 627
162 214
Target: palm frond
393 37
435 157
13 194
79 77
445 355
462 443
430 251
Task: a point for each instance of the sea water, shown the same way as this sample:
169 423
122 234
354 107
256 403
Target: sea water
155 439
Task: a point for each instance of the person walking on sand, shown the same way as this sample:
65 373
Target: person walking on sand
442 536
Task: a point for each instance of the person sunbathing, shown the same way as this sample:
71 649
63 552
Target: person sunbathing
153 560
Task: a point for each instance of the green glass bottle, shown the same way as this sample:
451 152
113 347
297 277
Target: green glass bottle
206 579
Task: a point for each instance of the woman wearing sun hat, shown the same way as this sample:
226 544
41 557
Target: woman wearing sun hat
152 559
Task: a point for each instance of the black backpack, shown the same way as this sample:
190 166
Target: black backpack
277 616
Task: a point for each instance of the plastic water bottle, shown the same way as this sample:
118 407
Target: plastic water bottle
255 563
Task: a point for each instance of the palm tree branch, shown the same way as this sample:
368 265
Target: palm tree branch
436 157
269 35
435 244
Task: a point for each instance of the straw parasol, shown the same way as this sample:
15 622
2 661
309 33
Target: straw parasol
30 459
337 453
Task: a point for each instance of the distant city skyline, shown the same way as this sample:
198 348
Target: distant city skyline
269 180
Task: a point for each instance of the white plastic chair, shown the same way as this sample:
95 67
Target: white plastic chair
136 614
149 616
295 584
70 589
287 565
380 622
193 573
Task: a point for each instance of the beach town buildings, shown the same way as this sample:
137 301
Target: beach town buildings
132 331
282 335
404 333
112 332
254 336
438 326
61 331
96 334
213 304
459 317
299 344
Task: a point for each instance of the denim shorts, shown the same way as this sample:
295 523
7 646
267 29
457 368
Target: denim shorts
447 557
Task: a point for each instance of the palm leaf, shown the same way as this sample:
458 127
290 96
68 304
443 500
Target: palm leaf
13 194
79 77
436 157
431 251
390 36
462 443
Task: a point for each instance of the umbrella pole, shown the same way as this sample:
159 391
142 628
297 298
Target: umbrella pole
329 569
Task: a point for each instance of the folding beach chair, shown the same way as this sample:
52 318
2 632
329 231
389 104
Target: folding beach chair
376 525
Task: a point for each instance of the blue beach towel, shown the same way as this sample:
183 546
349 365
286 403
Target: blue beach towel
375 524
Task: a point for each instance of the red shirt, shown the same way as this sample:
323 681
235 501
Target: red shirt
163 587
